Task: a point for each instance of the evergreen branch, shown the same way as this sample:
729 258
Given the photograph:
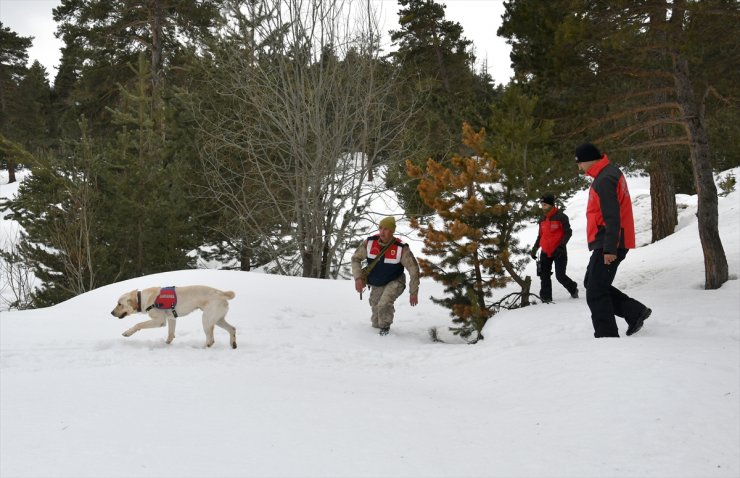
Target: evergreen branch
638 127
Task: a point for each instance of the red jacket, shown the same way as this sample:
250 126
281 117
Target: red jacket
554 231
609 221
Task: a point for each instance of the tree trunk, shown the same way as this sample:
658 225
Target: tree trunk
715 261
662 197
525 283
325 261
245 264
156 26
662 180
11 170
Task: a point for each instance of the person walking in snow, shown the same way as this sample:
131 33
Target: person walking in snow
610 231
386 258
553 236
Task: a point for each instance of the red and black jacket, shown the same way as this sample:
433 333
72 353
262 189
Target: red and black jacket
554 231
389 267
609 221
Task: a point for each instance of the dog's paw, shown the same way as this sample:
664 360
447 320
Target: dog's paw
128 333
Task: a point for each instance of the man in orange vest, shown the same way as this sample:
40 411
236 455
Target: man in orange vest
553 235
610 231
387 257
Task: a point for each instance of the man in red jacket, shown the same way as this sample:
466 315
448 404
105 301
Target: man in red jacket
554 233
610 231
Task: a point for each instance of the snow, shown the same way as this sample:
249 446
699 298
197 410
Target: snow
312 390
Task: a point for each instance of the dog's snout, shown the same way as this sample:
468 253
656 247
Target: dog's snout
113 313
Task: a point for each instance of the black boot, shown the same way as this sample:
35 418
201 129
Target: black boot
634 328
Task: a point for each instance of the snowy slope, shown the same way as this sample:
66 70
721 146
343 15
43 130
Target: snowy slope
312 389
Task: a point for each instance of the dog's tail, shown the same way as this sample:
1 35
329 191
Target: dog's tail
228 294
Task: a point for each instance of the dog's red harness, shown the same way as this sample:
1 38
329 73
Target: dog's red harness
166 300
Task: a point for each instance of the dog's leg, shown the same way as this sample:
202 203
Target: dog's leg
230 329
148 324
208 329
170 330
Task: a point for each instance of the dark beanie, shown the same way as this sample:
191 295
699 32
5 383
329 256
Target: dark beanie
587 152
548 199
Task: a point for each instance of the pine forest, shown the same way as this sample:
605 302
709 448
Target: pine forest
249 133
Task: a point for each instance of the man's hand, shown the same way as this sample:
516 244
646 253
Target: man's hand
359 285
413 300
533 253
609 258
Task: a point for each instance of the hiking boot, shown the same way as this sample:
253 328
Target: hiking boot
634 328
574 294
384 331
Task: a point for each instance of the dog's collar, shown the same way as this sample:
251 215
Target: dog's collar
138 301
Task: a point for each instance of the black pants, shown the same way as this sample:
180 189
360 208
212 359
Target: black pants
561 262
606 301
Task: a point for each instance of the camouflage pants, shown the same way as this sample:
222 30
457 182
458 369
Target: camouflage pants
382 299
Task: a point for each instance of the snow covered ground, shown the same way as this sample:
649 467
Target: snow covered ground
312 389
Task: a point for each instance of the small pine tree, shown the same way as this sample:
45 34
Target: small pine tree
465 197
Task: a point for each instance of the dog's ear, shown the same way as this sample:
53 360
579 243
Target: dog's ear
132 299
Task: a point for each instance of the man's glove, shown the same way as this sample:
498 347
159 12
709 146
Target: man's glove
559 251
533 253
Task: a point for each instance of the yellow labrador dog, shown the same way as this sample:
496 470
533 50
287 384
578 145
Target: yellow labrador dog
213 302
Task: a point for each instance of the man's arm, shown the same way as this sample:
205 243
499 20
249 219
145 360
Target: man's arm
607 191
410 264
533 251
358 257
567 231
537 241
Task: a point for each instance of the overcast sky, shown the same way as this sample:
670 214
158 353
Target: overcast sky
479 18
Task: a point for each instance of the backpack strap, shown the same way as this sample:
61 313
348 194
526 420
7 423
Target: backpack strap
367 269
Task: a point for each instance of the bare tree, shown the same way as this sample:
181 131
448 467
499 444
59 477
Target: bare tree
72 236
16 277
301 107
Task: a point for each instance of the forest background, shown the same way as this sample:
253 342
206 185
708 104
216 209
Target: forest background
247 133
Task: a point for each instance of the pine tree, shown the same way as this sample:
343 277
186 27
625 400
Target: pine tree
13 58
439 82
31 122
467 240
12 154
103 39
61 242
145 185
102 210
66 97
637 76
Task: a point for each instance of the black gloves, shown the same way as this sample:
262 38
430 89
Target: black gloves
559 251
533 253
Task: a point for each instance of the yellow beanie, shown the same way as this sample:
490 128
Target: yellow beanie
388 223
